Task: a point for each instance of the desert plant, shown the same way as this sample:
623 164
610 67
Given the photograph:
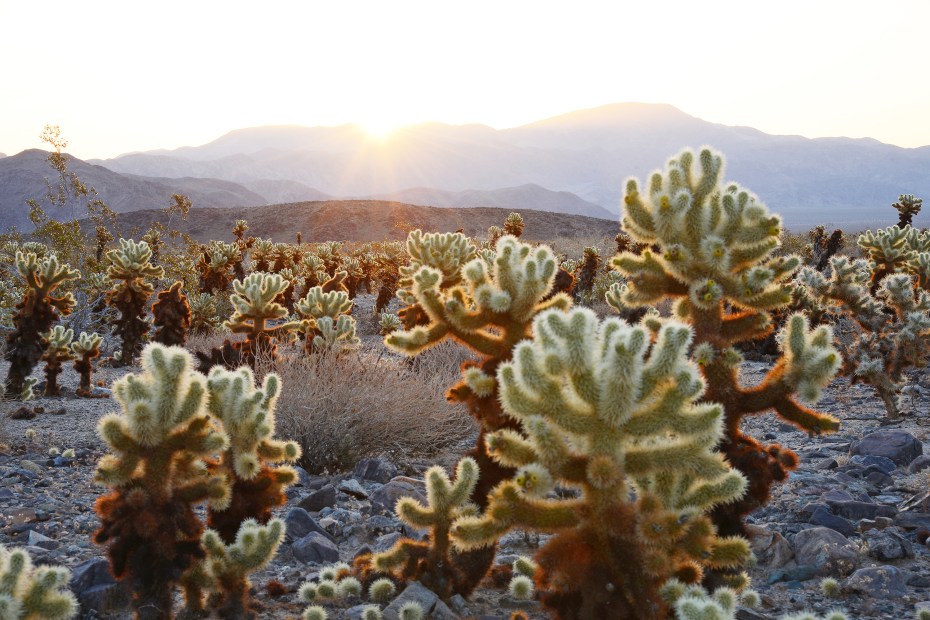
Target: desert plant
907 207
204 318
157 475
129 269
227 566
893 324
30 592
260 254
247 414
35 314
610 408
325 323
715 260
86 349
897 250
217 266
430 562
514 225
487 304
388 322
171 316
56 353
587 272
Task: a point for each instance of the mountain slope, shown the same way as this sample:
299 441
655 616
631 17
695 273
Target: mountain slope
369 220
589 153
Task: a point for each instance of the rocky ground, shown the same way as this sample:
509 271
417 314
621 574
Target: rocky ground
857 509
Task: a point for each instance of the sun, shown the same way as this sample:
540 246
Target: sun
380 129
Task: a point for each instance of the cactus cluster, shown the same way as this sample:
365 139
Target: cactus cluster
171 316
326 324
57 352
30 592
86 349
130 268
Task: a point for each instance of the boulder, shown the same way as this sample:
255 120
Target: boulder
318 500
385 498
887 545
315 548
415 592
828 551
878 582
298 523
375 470
899 446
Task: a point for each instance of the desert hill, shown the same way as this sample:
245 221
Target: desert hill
590 153
367 220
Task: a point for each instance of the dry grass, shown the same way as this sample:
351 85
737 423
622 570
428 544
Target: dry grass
342 408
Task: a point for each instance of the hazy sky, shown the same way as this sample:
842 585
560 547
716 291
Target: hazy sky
122 76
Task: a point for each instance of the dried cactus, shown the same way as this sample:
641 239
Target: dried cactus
129 268
716 242
172 316
157 475
56 353
39 309
609 410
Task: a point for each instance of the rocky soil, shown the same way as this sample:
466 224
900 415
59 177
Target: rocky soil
857 509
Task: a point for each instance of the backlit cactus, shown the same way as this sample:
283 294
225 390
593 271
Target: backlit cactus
218 266
610 411
157 475
204 317
486 305
171 316
86 349
893 324
325 322
907 207
896 250
56 353
39 309
514 225
249 462
429 562
30 592
130 269
254 309
714 257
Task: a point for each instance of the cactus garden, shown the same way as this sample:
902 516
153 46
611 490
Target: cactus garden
701 416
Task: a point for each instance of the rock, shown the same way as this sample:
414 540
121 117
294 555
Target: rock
919 464
878 582
36 539
352 487
825 518
6 494
96 589
459 605
899 446
100 392
856 510
375 470
745 613
870 460
912 520
23 413
385 498
60 411
315 547
385 542
826 550
318 500
298 523
415 592
917 503
356 612
794 573
888 545
441 611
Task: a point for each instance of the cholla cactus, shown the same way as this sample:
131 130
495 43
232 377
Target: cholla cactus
217 266
260 253
607 410
715 245
172 316
58 351
204 318
897 250
388 322
154 240
587 271
253 307
227 567
86 349
430 562
313 271
514 225
286 297
488 308
325 323
907 206
157 475
130 267
694 603
28 592
894 324
35 315
248 417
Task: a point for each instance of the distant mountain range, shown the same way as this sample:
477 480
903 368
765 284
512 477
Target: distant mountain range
575 163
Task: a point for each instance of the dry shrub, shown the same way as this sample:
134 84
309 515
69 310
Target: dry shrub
342 408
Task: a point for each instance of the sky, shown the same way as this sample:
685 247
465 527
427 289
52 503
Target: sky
121 76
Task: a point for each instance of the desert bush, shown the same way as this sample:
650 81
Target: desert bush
343 407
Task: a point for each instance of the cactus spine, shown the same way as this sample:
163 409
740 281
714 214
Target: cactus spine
157 474
608 410
130 266
715 244
35 315
28 592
